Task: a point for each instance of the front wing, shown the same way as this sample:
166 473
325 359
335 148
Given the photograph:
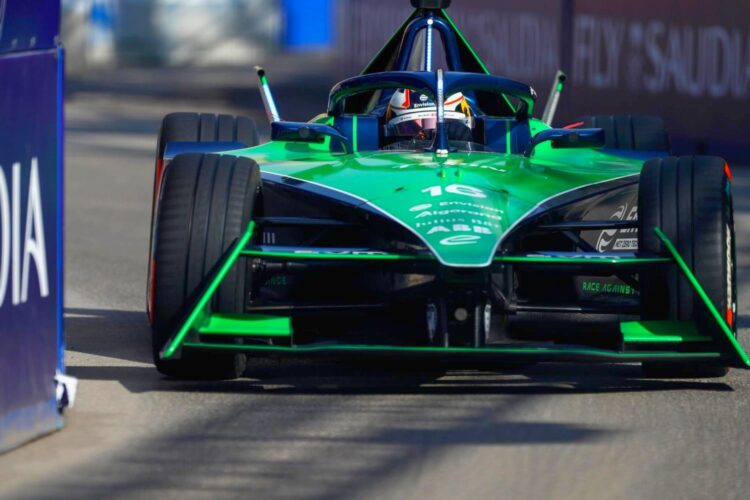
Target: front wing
642 341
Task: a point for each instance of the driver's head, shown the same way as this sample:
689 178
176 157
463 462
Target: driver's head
414 115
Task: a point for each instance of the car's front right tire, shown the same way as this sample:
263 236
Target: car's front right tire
196 128
206 203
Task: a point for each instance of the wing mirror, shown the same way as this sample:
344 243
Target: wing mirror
307 132
568 139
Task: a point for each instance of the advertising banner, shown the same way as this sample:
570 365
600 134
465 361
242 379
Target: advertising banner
30 219
519 40
684 60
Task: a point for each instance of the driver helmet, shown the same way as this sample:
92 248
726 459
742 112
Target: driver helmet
414 115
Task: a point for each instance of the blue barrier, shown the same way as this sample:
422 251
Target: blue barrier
31 195
308 24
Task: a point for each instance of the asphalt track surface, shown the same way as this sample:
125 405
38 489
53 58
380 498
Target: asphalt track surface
302 429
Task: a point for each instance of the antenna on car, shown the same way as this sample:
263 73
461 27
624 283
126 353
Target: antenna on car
265 92
554 98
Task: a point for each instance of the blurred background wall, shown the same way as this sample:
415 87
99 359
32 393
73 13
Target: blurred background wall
108 33
687 60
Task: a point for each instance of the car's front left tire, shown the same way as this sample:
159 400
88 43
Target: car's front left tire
690 200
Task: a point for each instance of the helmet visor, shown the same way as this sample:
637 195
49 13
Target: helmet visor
412 124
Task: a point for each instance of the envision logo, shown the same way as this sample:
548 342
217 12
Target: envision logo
17 250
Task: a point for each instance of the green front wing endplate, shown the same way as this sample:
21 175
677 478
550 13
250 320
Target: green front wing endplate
740 352
200 320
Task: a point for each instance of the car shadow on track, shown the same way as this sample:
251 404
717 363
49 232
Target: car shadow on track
320 447
124 337
331 378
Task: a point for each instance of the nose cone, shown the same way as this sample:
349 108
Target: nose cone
462 224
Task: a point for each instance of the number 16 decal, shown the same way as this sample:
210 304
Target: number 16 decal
459 189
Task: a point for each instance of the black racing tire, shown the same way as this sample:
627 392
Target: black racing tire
690 200
194 127
203 127
631 132
205 204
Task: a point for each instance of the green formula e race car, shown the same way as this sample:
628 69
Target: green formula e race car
428 214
